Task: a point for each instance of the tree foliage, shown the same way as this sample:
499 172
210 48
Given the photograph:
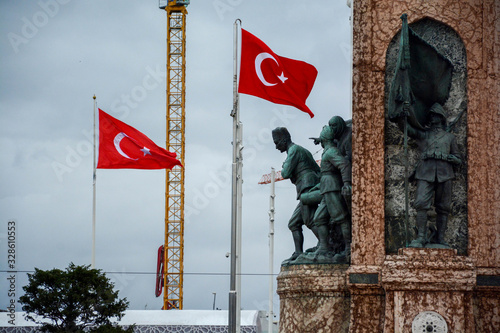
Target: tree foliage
71 300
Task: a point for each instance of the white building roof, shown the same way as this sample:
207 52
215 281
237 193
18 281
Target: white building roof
160 317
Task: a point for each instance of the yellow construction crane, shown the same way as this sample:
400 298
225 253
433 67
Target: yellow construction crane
174 193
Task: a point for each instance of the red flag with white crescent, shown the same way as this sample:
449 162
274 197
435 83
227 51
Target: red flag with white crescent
274 78
123 147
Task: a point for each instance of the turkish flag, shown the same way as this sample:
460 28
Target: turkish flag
123 147
277 79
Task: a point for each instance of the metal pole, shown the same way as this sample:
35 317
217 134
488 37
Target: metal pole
235 275
215 295
239 179
93 189
271 251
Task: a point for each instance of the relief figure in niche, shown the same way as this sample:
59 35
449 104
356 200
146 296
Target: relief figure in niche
418 91
433 173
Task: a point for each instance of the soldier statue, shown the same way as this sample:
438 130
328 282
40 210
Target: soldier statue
335 181
303 171
434 171
333 211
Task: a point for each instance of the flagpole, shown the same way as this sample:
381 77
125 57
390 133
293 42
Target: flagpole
271 250
93 188
235 275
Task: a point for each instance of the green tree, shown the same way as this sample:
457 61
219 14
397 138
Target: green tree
72 300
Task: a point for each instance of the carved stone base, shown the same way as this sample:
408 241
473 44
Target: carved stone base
429 289
313 298
428 280
367 299
487 300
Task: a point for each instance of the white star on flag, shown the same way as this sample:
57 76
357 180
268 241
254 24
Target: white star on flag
282 77
145 151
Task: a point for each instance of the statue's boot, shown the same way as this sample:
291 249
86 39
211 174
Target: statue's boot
298 241
441 223
421 226
323 234
323 257
311 249
320 253
345 256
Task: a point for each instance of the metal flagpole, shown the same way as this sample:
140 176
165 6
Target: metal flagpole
235 275
271 250
93 185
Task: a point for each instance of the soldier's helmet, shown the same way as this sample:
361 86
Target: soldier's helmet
436 108
338 124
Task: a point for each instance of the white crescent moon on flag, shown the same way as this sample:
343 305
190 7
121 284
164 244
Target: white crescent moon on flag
117 140
258 62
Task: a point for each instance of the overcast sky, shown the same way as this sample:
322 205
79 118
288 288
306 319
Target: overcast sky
56 54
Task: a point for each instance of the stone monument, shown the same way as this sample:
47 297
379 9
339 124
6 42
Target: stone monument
388 286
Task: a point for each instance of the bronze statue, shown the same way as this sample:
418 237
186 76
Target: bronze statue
303 171
335 181
343 136
343 141
434 172
419 89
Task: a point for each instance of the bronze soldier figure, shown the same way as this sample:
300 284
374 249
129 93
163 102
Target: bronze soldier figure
303 171
434 172
343 136
335 181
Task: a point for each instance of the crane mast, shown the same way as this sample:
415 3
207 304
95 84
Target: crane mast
174 189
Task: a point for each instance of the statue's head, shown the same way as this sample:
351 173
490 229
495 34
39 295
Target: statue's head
337 125
281 138
327 135
438 113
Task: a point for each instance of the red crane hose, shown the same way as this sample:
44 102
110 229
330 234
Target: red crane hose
159 272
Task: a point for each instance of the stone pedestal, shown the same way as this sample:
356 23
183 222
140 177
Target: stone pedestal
313 298
487 300
422 280
367 299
